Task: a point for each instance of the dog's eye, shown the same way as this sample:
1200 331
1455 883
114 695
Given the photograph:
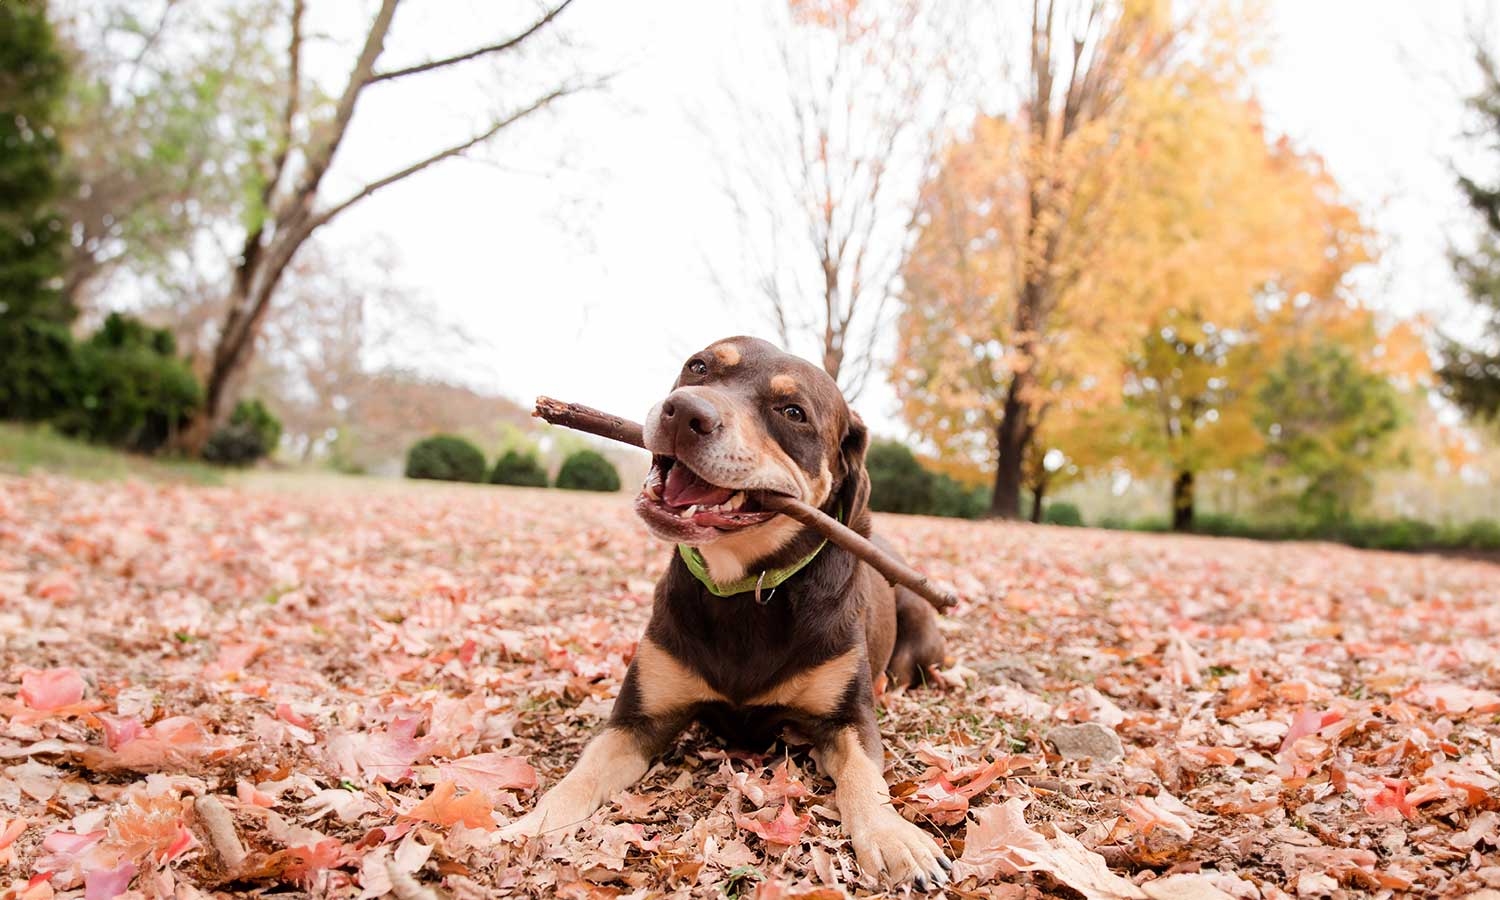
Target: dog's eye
794 413
697 367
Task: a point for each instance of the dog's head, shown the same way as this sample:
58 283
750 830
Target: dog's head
743 417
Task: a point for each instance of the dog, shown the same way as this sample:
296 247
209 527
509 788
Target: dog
758 623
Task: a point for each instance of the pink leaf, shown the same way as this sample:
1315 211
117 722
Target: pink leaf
784 830
231 661
489 772
120 730
993 836
1454 698
10 831
381 755
106 884
50 689
176 742
1309 721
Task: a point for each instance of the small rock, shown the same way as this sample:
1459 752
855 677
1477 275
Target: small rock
1015 669
1089 740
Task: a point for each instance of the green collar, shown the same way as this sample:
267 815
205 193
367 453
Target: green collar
770 579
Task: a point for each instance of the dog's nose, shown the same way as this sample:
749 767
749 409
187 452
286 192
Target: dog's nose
688 417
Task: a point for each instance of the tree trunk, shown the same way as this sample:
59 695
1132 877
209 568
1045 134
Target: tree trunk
1182 501
1038 494
1011 437
249 302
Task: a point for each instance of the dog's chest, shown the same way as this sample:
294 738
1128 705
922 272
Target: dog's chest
746 655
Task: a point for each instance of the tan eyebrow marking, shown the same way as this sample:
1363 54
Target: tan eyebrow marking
728 354
784 384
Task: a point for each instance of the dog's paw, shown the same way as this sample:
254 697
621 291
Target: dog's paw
900 851
550 817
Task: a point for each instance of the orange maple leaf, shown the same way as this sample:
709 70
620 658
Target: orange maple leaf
446 807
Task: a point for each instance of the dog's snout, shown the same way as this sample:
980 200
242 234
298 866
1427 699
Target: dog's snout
689 417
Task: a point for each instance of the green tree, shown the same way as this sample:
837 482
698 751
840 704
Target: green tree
162 123
1192 386
1471 371
32 78
36 350
1328 425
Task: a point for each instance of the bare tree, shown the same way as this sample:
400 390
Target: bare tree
823 170
337 327
291 205
162 100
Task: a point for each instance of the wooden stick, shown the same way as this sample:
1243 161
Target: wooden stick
583 418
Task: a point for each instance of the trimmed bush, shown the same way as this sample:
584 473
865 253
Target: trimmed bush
1380 534
1062 514
251 433
1481 535
233 445
445 457
520 469
588 471
956 500
898 483
127 389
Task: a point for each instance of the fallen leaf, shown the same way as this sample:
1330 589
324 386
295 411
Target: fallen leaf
444 806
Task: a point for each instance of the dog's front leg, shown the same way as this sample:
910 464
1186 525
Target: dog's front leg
883 841
655 703
612 761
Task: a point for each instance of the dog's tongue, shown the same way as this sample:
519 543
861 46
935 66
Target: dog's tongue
684 488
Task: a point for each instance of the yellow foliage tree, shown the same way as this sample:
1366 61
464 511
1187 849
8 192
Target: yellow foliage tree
1027 276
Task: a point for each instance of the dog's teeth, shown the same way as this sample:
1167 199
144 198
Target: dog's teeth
651 491
688 513
736 501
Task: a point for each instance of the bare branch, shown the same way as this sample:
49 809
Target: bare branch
501 47
456 150
320 154
293 101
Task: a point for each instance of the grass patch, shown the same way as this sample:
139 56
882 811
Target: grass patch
1373 534
28 448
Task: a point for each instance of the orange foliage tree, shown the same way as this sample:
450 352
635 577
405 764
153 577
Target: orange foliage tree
1006 305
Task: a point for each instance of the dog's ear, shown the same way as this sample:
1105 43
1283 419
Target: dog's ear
854 488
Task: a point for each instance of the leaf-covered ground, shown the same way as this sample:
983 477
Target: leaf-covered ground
345 692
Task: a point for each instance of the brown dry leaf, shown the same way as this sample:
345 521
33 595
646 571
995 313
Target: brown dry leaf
474 638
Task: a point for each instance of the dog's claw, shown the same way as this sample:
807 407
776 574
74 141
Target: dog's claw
920 882
946 863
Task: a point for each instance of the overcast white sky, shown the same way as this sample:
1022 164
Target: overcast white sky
587 279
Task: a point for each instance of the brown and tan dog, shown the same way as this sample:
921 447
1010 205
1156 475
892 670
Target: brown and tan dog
757 623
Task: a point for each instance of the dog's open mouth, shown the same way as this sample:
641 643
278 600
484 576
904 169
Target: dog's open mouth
678 499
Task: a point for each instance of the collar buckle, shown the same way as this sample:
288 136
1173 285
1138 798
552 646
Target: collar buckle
758 582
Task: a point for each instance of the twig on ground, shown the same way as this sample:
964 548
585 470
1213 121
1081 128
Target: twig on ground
221 832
